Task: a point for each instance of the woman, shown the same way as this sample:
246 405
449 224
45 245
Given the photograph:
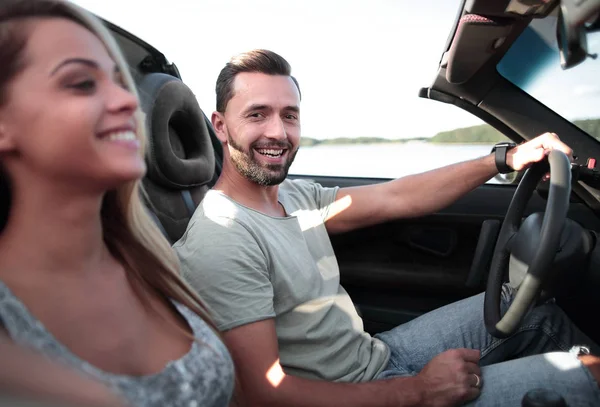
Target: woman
85 275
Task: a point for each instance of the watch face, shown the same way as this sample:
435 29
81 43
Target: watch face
504 144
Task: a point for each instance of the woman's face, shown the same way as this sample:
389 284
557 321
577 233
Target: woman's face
67 117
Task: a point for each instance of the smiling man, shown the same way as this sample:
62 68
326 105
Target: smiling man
258 251
261 152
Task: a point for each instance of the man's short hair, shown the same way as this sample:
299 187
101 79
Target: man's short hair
258 60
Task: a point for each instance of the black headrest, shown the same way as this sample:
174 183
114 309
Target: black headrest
179 154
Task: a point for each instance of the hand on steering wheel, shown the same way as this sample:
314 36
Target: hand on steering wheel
513 231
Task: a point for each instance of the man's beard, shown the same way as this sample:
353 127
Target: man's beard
250 168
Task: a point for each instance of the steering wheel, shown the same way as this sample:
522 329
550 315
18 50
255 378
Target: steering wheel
539 234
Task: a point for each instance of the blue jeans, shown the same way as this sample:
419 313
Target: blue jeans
535 356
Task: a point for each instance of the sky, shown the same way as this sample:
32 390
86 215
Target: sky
360 64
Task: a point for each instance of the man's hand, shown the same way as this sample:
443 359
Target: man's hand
593 365
451 378
522 156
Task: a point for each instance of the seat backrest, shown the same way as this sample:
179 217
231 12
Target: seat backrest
180 155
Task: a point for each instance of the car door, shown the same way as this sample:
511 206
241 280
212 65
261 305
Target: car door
399 270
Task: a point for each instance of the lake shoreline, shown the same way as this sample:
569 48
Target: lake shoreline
382 160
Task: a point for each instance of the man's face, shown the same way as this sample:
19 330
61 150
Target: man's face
261 126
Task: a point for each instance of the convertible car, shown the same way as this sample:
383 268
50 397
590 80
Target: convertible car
500 60
539 234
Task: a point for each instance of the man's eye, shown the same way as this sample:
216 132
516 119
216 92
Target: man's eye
291 117
256 115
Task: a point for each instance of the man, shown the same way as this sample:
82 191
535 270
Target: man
258 251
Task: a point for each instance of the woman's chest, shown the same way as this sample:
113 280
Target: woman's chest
108 327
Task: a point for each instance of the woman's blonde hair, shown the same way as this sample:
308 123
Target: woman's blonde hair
129 232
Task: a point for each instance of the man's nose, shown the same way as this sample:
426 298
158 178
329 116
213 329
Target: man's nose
276 129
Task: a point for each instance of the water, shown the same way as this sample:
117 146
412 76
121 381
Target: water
391 160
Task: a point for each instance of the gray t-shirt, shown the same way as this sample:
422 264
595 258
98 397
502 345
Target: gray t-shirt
203 377
249 267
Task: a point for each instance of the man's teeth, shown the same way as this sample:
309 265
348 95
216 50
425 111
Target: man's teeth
272 153
122 135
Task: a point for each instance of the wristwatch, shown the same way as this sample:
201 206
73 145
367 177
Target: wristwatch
499 151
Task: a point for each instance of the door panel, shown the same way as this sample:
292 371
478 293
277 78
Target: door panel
400 270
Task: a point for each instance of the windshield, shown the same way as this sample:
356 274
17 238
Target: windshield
533 64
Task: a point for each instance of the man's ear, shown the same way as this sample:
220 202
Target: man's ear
218 123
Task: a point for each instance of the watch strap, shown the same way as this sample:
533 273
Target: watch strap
500 151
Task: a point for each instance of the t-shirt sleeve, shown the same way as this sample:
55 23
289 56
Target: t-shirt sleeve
323 197
223 262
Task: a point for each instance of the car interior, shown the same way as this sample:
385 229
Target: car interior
397 271
400 270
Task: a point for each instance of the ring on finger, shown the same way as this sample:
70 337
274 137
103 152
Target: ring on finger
478 380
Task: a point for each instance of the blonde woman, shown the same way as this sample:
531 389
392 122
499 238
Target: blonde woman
85 276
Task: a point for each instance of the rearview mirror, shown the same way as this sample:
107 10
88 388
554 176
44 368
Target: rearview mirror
575 19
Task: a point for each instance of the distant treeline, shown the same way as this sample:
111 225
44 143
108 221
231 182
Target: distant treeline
591 127
307 141
476 134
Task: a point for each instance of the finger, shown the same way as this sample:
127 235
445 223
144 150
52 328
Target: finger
550 137
539 154
552 142
472 393
564 148
593 365
544 140
473 368
475 380
524 157
469 355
